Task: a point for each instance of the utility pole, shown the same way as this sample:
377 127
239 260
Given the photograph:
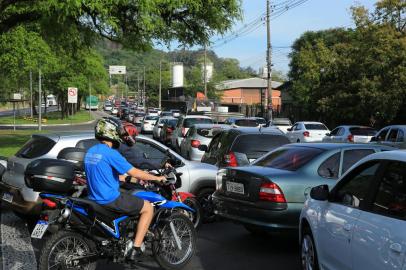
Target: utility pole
160 85
268 103
90 101
143 91
31 104
205 71
39 101
138 87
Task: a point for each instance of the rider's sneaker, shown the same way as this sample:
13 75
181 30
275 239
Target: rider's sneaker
137 254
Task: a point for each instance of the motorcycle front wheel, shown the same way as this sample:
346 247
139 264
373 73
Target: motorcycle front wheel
175 242
195 217
62 248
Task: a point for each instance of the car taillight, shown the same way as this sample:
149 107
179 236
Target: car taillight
195 143
169 130
231 160
306 134
271 192
183 132
350 138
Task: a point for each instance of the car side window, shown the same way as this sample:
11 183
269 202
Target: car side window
382 135
353 156
297 127
214 143
334 132
392 135
294 127
356 185
390 199
330 167
150 151
340 132
401 136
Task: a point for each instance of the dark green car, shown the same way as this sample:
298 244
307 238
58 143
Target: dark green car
269 194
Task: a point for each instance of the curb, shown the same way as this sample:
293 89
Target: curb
45 125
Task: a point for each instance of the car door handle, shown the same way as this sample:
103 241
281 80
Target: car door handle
347 227
396 247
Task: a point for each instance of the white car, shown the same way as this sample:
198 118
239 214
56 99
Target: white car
307 132
183 126
148 123
114 110
355 134
283 124
361 223
394 135
152 112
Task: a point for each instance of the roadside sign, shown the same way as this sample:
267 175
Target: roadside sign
72 95
17 96
117 70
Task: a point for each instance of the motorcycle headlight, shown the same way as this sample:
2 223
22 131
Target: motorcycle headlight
219 178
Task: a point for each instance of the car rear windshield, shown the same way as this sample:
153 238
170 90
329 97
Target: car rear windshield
139 115
172 122
257 145
260 121
362 131
36 147
315 127
291 158
151 117
207 132
246 122
193 121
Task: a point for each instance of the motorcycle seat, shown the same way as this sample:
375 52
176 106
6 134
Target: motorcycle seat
96 210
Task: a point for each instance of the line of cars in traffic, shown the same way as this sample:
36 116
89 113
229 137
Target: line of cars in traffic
344 190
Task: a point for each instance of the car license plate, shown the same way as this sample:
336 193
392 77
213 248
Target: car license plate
8 197
40 229
235 187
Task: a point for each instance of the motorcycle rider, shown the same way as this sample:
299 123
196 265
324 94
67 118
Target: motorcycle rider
103 165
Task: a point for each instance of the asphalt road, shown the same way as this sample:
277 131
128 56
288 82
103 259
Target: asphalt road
220 245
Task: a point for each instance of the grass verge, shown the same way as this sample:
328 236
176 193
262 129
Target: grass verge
11 141
52 118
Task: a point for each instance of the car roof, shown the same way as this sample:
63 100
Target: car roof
353 126
395 126
309 122
399 155
196 116
212 126
68 134
330 146
255 130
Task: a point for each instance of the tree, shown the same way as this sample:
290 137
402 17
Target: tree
351 76
136 24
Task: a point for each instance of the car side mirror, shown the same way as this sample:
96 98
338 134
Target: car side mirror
373 139
328 134
203 148
289 129
320 193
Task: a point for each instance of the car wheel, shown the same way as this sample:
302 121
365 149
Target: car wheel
308 251
204 197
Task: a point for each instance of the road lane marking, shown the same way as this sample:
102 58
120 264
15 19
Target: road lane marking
16 248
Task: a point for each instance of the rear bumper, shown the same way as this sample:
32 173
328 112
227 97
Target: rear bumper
282 219
18 203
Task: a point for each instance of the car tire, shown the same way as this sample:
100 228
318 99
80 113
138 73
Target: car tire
206 202
308 253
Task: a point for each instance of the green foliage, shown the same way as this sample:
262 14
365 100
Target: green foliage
351 76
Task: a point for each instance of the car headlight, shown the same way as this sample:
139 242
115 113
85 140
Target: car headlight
219 178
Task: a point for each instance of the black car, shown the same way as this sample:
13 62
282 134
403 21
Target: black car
240 146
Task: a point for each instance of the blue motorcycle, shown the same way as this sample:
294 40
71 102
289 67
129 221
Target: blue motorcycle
82 232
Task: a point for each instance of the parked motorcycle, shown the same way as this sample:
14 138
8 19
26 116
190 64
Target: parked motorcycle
83 231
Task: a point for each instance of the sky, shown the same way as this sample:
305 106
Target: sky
312 15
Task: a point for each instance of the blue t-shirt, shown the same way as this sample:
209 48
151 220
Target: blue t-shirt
103 165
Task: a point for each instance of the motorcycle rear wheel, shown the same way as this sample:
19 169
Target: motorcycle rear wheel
166 250
62 245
